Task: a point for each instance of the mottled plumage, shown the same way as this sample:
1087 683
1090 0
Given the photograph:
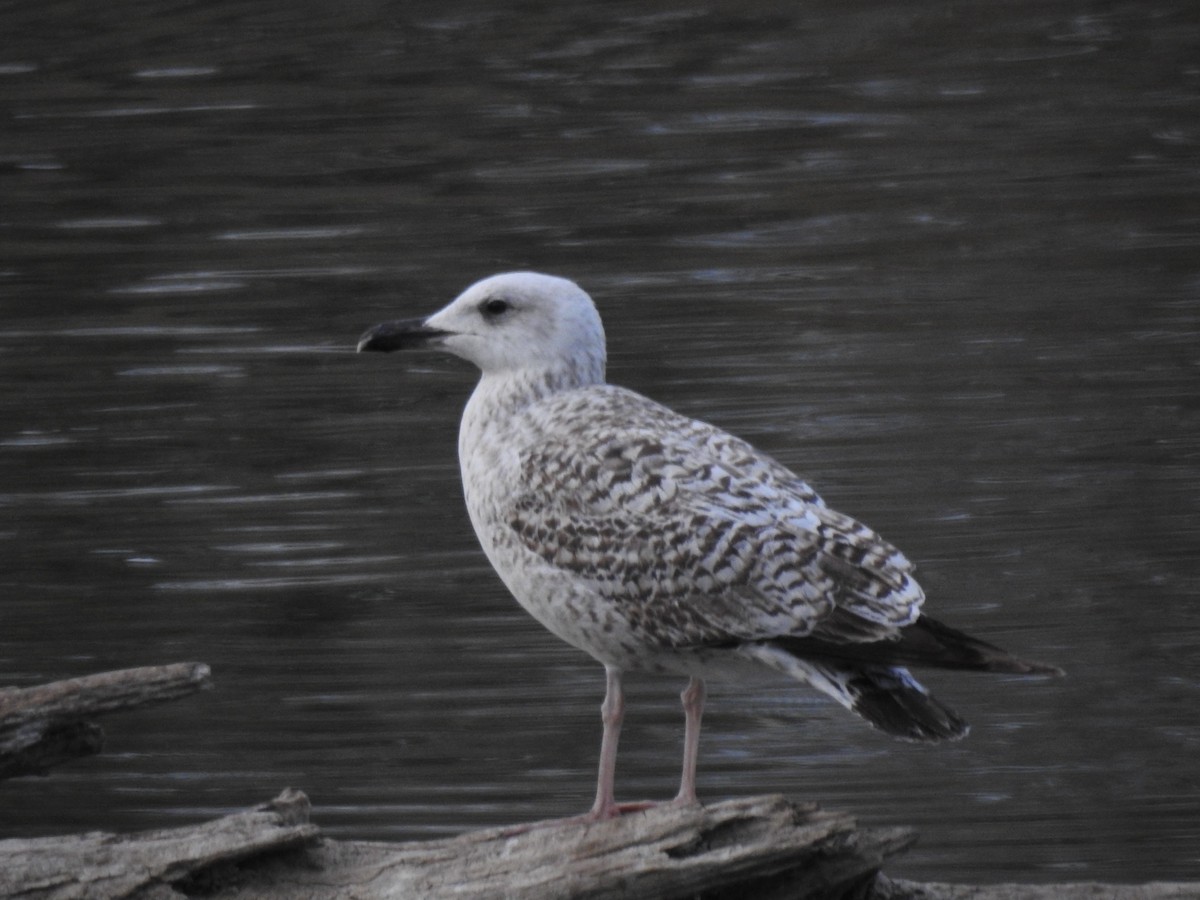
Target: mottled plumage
654 541
690 535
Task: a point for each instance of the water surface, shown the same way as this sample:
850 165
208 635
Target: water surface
941 259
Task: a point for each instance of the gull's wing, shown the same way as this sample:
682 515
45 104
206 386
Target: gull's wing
698 537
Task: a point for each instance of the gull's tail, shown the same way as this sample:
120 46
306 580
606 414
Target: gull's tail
871 678
886 696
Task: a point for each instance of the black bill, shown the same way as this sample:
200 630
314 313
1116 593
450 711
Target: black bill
403 334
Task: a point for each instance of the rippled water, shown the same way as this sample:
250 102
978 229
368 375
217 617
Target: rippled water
941 259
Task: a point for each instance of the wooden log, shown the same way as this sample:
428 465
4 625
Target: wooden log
48 724
98 865
762 847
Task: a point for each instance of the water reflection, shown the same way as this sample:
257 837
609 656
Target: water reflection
940 261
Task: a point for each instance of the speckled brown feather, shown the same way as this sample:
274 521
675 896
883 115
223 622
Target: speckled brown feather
701 538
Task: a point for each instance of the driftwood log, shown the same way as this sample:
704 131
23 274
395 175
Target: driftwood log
99 866
761 847
766 848
49 724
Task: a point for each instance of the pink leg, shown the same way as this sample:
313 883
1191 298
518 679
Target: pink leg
612 712
693 709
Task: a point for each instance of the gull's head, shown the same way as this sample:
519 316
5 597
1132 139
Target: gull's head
515 322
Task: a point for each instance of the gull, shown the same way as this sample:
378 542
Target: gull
656 542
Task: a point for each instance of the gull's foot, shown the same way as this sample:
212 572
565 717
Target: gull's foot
635 806
595 814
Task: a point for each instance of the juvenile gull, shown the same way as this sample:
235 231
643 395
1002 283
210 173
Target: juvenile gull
656 542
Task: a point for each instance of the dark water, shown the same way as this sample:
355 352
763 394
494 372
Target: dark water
942 258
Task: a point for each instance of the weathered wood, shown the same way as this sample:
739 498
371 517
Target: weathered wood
761 847
765 845
97 866
49 724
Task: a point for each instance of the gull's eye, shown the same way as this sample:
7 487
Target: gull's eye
494 307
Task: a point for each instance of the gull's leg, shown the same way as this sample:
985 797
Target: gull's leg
612 711
693 709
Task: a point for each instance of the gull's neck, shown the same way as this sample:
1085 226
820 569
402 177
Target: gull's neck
502 396
491 439
505 393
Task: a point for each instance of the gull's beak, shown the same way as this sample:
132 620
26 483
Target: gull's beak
403 334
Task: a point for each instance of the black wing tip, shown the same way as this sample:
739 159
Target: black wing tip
927 643
1029 667
964 651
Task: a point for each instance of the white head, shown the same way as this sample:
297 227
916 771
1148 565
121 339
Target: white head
516 322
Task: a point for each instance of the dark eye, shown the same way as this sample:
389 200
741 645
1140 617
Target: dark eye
495 307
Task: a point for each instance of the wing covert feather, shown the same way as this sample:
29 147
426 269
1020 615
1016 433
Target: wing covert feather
699 538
